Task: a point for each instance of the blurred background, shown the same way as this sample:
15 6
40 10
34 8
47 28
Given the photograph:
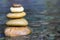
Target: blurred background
43 17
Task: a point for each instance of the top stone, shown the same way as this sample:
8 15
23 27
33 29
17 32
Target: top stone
17 8
17 5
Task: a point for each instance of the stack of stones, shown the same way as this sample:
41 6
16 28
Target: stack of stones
17 26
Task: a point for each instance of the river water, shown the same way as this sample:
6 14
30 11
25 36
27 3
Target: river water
33 9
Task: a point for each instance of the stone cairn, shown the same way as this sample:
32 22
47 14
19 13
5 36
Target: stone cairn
17 25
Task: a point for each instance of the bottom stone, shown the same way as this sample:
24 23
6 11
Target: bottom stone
17 31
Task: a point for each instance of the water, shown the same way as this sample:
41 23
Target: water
39 15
